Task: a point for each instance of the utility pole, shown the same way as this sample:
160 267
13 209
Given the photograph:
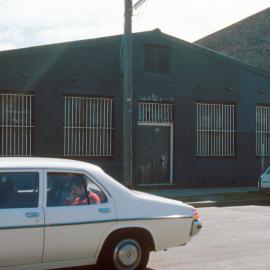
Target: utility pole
127 95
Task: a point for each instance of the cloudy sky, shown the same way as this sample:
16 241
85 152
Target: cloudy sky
25 23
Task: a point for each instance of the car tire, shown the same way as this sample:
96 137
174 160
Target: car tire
125 252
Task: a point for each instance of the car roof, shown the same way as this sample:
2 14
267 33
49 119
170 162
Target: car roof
40 163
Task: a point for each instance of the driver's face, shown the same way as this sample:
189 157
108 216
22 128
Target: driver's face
76 191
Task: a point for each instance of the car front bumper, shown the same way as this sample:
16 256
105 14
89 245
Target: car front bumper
196 227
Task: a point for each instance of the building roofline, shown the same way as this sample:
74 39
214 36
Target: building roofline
236 24
219 56
75 43
187 44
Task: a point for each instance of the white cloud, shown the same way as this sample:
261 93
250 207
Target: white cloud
34 22
193 19
14 34
68 33
50 21
6 46
51 13
12 38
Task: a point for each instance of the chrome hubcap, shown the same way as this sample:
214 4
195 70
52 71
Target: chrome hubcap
127 254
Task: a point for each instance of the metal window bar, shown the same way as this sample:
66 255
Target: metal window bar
153 112
16 124
262 130
215 130
88 126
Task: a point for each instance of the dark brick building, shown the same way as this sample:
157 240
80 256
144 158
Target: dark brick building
200 119
247 40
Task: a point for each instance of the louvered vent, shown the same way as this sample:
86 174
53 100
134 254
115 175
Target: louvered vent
156 59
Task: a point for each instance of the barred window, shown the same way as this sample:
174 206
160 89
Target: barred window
263 130
88 126
151 112
156 59
215 130
16 116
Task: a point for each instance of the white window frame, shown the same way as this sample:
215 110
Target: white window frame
262 130
155 112
88 126
16 124
158 114
215 130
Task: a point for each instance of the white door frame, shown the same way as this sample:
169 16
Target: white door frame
170 148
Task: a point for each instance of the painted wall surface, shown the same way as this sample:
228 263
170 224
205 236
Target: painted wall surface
92 68
196 76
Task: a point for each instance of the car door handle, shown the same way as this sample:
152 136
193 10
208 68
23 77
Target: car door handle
32 214
104 210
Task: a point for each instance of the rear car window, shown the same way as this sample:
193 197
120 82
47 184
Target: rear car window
19 189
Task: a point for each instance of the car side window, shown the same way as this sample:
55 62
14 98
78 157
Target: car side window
19 189
72 189
92 188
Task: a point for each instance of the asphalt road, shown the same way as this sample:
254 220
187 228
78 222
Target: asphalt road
232 238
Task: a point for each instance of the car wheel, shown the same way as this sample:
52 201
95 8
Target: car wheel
125 253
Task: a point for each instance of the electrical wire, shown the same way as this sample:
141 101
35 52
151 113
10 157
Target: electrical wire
202 22
256 3
189 16
140 14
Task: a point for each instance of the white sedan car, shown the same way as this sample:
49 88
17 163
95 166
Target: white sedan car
264 181
57 213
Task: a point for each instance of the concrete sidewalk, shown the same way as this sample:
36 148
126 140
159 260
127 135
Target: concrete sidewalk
203 197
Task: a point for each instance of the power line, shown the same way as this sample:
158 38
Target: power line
143 10
189 16
256 3
176 8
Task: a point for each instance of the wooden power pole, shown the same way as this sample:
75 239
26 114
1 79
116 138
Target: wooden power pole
127 95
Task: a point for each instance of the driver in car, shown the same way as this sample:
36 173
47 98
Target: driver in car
78 194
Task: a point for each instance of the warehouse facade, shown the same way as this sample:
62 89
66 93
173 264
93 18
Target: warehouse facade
200 119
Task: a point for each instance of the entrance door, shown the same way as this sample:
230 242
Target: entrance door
153 154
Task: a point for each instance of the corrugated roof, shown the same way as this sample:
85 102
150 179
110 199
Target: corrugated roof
247 40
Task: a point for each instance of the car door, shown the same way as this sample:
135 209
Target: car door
21 217
73 230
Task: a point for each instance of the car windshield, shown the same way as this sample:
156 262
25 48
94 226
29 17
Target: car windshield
267 171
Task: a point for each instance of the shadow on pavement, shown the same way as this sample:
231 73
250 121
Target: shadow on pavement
90 268
230 199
